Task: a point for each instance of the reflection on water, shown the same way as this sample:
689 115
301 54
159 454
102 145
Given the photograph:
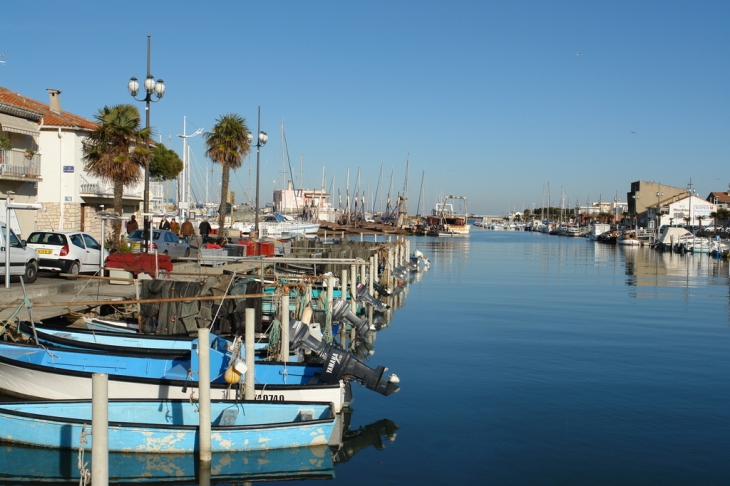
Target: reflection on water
646 267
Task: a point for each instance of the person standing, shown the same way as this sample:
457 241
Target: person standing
132 225
164 224
175 227
187 230
204 229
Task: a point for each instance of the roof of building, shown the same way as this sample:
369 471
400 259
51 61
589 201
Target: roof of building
18 105
722 197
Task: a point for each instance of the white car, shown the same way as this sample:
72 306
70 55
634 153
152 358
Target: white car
71 252
23 259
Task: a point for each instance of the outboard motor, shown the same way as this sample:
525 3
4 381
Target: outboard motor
341 365
341 311
381 289
364 295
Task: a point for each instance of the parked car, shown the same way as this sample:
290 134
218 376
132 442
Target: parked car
23 259
71 252
163 242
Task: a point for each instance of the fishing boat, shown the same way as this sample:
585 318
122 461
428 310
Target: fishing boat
64 373
121 342
169 426
277 225
34 372
447 222
597 229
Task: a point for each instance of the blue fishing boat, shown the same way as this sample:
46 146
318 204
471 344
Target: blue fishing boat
64 373
169 426
122 342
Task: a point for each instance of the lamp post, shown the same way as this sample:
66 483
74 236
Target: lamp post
158 88
260 142
656 216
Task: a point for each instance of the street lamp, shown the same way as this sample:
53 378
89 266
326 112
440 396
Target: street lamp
260 142
158 88
656 215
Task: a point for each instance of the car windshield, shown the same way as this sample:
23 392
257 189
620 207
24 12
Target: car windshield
47 238
139 235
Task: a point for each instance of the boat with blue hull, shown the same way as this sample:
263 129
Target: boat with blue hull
169 426
64 373
122 342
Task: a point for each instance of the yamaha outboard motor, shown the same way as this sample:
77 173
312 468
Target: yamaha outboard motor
341 311
341 365
364 295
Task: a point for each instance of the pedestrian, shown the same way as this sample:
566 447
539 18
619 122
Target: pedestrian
132 225
204 229
187 230
164 224
175 227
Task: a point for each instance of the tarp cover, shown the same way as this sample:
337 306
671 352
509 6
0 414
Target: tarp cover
139 262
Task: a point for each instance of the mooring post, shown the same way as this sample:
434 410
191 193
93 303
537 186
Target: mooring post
250 337
285 325
100 429
363 273
330 298
353 289
204 390
343 287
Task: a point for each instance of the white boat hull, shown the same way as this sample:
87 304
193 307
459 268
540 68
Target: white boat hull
34 383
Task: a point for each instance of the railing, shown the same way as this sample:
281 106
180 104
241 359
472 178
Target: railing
14 163
102 189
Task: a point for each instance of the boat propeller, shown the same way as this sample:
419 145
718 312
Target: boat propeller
341 365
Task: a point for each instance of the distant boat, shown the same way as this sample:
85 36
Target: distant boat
597 229
169 426
443 221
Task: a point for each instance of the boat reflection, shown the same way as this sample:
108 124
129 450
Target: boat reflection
355 440
647 267
30 465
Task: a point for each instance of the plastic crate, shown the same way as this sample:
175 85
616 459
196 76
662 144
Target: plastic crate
210 256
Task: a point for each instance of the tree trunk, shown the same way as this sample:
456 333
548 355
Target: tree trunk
119 209
225 174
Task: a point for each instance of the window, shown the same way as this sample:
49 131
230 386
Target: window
78 241
91 242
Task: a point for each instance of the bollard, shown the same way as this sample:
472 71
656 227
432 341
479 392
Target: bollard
330 298
285 326
353 289
204 390
100 429
250 353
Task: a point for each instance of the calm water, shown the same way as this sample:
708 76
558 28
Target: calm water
534 359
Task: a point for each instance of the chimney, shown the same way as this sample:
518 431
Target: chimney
55 103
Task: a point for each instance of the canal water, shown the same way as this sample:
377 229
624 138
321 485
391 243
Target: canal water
533 359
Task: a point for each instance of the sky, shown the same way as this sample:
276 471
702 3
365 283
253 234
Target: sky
492 100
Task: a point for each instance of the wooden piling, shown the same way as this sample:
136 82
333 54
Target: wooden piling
100 429
250 338
204 391
285 325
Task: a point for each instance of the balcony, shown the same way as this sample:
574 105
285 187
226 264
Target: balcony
102 189
14 165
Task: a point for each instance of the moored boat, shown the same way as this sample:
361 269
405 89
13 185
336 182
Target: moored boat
169 426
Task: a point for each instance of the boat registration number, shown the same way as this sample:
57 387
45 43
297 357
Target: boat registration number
44 252
270 398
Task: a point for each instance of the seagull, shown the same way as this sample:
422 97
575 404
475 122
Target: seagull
577 53
633 133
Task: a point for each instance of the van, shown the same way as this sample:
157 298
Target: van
23 259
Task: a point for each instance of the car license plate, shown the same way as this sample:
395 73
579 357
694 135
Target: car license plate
44 252
136 245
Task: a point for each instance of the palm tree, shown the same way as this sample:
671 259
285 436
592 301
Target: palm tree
714 217
227 145
114 152
700 218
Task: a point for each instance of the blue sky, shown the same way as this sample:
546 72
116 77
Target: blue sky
490 99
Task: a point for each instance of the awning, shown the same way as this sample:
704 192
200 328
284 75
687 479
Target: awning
19 125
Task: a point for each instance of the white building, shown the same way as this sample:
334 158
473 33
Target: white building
72 197
673 211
